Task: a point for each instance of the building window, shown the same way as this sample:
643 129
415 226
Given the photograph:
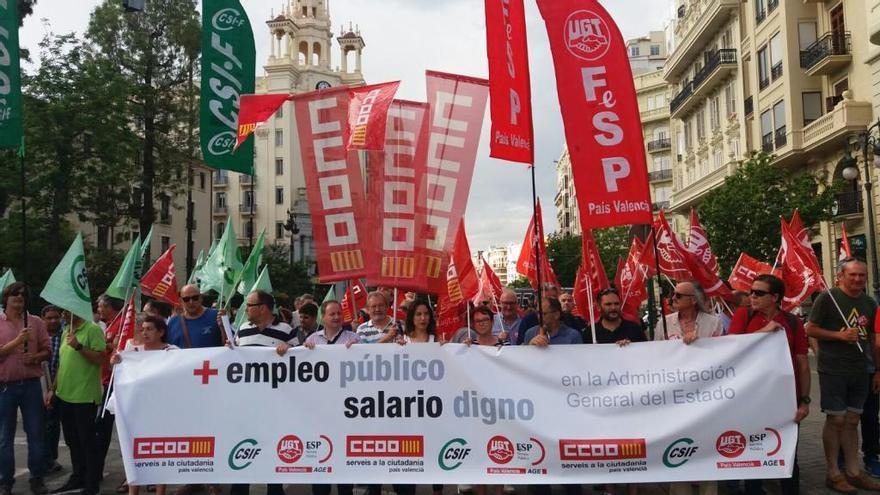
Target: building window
812 106
734 147
249 228
279 230
717 159
806 34
247 198
776 56
220 199
165 243
280 113
218 230
779 130
165 209
202 181
760 11
688 135
279 166
279 195
767 131
655 50
715 113
763 68
701 125
634 51
279 138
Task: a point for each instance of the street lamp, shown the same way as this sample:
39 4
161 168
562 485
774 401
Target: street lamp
850 171
291 226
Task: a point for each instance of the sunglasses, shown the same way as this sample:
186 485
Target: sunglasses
190 298
679 295
758 293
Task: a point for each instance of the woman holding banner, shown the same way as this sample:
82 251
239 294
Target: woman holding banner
420 325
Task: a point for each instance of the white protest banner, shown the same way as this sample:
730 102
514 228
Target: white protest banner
721 408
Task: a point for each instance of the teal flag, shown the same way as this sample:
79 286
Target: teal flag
263 283
248 276
126 277
11 134
229 62
330 296
6 280
223 267
197 269
68 286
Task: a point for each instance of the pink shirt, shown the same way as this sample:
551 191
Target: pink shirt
12 368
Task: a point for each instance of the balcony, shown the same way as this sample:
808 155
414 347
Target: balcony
829 132
656 145
247 179
719 65
660 205
760 16
848 203
701 23
221 180
164 218
749 105
776 71
771 5
220 210
655 114
780 137
247 208
660 175
767 143
828 55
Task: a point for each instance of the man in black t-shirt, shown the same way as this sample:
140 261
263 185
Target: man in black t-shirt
611 327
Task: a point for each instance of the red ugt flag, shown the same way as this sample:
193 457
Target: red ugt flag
671 258
801 279
160 281
509 86
698 244
601 113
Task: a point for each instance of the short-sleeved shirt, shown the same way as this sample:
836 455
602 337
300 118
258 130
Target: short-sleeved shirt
371 334
797 337
251 335
844 358
565 335
499 325
203 331
342 338
12 368
79 380
627 330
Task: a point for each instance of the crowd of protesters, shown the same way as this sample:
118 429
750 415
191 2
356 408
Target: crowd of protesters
55 369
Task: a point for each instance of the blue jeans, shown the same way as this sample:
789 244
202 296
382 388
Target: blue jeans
27 396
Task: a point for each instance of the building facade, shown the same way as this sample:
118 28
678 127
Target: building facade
300 60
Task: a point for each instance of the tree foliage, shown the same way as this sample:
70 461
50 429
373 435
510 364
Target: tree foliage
742 215
565 252
289 281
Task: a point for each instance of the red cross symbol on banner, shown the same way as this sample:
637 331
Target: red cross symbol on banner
206 372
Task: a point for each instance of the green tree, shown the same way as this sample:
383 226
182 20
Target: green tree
152 53
564 253
289 281
742 215
520 283
613 244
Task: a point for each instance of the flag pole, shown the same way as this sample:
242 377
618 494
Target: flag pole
537 249
590 304
24 249
659 283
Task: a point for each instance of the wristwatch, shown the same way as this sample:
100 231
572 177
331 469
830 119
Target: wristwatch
805 400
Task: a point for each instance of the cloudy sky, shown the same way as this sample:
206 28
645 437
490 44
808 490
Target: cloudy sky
406 37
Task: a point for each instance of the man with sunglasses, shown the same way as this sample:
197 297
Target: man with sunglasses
842 320
197 326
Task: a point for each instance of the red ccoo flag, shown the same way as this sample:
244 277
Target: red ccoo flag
160 280
367 115
698 244
355 298
122 328
845 250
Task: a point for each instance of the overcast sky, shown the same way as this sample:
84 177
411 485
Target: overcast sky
406 37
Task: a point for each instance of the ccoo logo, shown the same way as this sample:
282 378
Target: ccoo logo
499 449
679 452
453 454
587 36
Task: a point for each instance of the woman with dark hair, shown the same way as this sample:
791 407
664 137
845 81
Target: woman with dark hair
480 331
765 314
420 323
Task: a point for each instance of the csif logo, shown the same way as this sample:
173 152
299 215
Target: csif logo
243 454
221 144
228 19
499 449
679 452
453 454
587 36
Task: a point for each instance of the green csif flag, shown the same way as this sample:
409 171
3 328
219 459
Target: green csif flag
197 269
68 286
263 283
126 277
11 133
222 268
251 270
330 296
6 280
228 71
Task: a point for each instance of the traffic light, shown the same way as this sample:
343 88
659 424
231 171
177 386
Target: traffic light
133 5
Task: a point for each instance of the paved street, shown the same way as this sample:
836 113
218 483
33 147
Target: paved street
809 454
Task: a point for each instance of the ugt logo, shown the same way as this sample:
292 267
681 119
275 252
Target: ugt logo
587 35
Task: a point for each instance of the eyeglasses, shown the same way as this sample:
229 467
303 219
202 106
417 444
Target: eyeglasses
482 320
252 305
679 295
17 292
190 298
758 293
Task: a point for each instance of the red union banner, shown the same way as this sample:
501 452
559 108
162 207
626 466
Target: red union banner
333 184
255 110
457 106
509 86
395 176
745 271
160 281
601 114
367 114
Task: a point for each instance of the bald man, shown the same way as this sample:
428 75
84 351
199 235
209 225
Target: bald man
197 326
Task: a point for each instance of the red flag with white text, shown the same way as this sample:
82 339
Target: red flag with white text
334 186
796 226
450 317
527 262
467 274
457 105
160 281
845 249
368 114
581 295
671 253
395 176
601 113
511 137
254 111
355 299
490 287
698 244
123 327
801 279
593 262
745 271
